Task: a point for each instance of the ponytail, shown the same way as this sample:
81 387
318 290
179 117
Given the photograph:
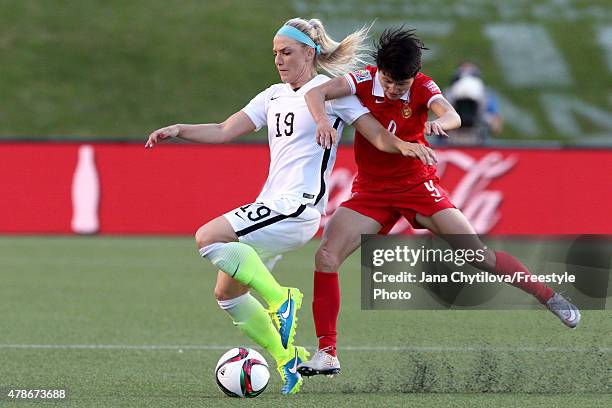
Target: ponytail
337 58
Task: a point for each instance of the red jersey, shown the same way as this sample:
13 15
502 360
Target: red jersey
405 117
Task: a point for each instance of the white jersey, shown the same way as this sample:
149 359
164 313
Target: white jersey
299 168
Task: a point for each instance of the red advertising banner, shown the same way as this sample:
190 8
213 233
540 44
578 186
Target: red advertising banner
114 188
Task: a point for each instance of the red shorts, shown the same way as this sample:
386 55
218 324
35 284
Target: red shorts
386 208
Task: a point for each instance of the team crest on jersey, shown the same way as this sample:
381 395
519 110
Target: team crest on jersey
362 75
406 111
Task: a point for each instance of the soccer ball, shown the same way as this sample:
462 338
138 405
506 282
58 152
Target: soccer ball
242 372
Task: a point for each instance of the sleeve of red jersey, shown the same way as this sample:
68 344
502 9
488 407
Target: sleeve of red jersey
359 80
428 91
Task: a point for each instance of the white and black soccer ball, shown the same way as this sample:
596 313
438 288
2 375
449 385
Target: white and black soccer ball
242 372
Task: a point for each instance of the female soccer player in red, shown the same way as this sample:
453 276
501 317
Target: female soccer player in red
389 186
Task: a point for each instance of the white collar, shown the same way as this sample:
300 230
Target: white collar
377 89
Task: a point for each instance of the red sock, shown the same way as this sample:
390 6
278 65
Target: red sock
325 308
506 264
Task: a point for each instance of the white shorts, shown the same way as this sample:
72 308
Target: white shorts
275 226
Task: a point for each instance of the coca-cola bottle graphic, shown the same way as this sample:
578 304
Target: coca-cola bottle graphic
85 193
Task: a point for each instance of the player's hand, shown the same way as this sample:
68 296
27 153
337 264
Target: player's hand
326 135
434 128
161 134
419 151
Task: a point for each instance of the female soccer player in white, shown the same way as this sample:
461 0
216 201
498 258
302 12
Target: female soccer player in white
244 242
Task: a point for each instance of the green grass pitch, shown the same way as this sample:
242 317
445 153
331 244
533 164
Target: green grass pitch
132 322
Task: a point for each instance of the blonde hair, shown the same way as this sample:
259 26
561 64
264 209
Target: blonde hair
337 58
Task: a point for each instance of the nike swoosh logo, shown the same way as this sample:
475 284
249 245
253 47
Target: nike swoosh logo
293 369
437 200
572 315
236 271
379 101
274 97
287 312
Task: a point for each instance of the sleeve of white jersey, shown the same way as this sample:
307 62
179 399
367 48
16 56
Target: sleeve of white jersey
257 109
351 83
349 108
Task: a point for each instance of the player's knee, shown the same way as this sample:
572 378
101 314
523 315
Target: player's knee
217 230
489 260
487 263
229 289
221 293
203 237
326 260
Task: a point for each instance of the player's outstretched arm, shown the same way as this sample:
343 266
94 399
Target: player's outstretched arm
326 135
386 141
448 118
236 125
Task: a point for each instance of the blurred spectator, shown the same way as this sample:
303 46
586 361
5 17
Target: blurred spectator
475 103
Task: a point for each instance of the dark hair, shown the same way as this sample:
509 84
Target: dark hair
398 53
